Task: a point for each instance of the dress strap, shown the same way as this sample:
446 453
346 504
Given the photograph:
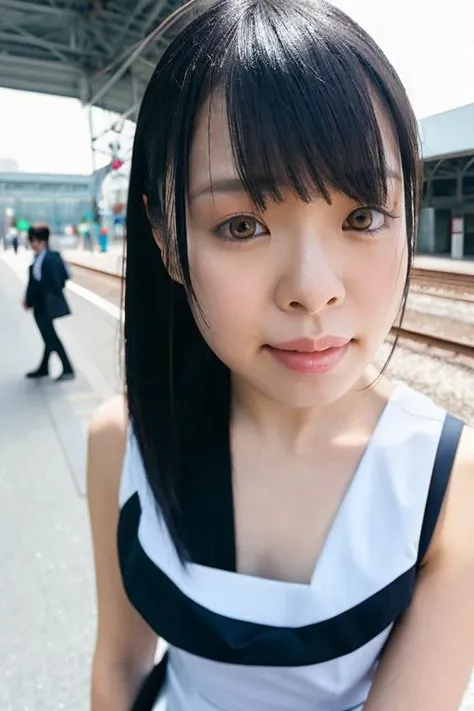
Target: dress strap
151 687
443 464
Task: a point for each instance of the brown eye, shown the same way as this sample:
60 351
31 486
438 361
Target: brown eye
365 220
241 228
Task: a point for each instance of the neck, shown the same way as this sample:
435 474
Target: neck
295 427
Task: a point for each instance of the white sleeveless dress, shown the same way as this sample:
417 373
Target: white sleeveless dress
243 643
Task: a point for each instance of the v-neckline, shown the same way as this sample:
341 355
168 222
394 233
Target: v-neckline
340 513
355 482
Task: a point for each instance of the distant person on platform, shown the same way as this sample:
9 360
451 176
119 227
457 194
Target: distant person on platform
44 294
15 238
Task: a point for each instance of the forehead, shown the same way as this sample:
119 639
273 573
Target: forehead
211 156
211 152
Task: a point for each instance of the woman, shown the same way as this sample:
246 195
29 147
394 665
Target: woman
293 524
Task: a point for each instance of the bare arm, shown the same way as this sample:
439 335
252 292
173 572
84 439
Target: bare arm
125 646
428 661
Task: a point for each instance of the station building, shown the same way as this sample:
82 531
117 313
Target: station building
59 200
447 216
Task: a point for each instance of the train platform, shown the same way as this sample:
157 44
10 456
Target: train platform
111 261
47 599
445 264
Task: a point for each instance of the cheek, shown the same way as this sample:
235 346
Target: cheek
381 280
228 290
387 278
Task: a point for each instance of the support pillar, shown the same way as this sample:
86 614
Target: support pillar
457 235
426 233
135 97
94 221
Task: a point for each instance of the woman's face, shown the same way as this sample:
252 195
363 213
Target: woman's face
297 298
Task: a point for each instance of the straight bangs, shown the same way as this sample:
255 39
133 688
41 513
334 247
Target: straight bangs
301 113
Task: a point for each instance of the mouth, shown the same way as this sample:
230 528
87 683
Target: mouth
306 356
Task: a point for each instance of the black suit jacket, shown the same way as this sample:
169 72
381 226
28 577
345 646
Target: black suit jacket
46 296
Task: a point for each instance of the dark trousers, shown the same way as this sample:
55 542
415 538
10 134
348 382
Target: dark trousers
52 342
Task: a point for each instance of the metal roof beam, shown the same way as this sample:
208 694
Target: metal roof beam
138 8
159 44
143 46
121 71
76 60
92 27
468 165
52 45
30 8
154 14
60 50
117 125
115 19
113 80
24 37
149 66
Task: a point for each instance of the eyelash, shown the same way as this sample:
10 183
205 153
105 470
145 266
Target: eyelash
372 233
389 216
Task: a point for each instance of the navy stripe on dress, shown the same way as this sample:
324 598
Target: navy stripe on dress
187 625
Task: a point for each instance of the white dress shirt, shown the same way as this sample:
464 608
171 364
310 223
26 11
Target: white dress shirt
37 264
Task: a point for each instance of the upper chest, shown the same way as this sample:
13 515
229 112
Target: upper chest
286 506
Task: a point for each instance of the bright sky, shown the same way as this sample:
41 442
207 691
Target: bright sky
430 46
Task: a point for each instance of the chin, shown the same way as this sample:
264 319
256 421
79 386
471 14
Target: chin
322 395
309 391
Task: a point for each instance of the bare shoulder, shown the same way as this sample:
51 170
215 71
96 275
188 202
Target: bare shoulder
126 645
454 537
106 444
466 449
110 419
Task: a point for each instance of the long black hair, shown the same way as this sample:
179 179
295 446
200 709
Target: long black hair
300 81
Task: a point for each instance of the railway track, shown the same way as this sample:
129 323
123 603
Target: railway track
437 344
432 343
446 285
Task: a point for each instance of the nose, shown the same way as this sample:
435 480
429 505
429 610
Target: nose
309 281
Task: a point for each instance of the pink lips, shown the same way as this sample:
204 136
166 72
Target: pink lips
309 356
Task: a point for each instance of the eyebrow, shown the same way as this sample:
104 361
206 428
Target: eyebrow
234 185
225 185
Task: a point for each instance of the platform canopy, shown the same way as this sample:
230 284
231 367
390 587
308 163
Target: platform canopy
92 50
449 134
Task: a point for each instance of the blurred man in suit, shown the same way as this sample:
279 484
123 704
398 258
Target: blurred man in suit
44 294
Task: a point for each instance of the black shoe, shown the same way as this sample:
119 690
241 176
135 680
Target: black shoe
35 374
67 375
